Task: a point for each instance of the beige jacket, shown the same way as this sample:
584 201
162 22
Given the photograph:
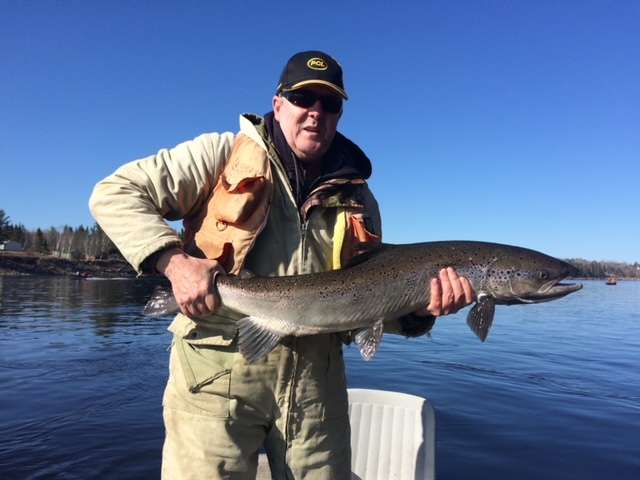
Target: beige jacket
132 204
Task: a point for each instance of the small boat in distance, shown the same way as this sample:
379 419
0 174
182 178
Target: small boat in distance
612 280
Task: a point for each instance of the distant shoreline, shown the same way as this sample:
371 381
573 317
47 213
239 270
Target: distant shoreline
619 279
26 264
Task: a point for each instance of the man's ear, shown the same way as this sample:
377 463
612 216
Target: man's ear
277 104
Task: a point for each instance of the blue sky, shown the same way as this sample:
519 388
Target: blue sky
513 122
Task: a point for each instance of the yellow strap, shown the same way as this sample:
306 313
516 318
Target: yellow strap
339 233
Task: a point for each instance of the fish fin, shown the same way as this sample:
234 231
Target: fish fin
254 340
162 302
245 274
481 315
368 340
412 325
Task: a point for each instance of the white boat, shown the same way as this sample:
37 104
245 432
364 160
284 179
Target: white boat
393 437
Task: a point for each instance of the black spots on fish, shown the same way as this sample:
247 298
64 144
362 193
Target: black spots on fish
498 276
392 274
369 290
322 293
417 259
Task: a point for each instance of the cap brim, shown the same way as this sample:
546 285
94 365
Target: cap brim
324 83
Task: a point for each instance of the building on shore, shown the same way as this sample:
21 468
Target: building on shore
10 246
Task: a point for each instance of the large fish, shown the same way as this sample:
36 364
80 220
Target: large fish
389 283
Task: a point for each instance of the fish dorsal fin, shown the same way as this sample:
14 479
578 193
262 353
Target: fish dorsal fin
254 340
368 340
480 317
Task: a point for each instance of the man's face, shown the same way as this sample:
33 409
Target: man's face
308 131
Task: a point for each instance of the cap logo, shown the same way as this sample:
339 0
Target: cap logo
316 63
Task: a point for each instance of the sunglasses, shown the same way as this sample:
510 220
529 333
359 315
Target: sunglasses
307 99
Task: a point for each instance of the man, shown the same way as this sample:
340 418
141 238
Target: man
286 195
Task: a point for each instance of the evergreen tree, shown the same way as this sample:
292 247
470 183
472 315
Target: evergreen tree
41 244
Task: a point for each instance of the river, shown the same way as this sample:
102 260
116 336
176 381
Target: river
554 392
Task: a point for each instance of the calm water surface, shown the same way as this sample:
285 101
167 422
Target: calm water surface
554 393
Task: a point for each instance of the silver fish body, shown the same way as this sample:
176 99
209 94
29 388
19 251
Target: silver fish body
390 283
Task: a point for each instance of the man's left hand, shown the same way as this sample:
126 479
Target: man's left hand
449 293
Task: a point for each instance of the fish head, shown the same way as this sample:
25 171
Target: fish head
527 276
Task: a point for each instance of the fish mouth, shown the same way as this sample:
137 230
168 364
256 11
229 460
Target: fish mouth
554 289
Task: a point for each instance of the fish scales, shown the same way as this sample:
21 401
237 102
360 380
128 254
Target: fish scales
376 289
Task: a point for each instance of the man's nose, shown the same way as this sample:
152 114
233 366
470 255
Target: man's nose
316 108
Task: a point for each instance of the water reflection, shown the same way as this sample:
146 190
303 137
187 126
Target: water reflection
68 300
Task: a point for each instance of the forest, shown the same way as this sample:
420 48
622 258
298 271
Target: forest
77 243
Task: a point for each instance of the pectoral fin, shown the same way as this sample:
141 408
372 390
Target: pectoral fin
480 317
254 340
368 340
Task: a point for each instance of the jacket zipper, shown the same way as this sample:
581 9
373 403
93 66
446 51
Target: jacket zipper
302 224
297 190
303 238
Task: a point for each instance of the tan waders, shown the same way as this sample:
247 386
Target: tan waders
219 411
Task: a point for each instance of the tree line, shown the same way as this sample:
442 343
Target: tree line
91 242
593 269
68 242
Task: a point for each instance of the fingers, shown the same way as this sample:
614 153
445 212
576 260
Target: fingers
435 304
195 290
458 290
449 293
201 305
193 309
211 302
469 296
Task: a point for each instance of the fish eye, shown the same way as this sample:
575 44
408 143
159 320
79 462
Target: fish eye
543 275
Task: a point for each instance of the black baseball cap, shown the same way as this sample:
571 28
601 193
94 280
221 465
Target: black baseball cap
312 67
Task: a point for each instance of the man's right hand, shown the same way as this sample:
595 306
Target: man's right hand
192 280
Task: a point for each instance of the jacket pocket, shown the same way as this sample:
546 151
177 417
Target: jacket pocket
235 201
206 371
359 239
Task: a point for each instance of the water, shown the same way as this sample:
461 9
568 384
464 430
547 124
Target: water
554 393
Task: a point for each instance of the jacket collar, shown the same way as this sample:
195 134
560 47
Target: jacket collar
343 160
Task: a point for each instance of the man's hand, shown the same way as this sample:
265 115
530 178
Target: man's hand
192 280
449 293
